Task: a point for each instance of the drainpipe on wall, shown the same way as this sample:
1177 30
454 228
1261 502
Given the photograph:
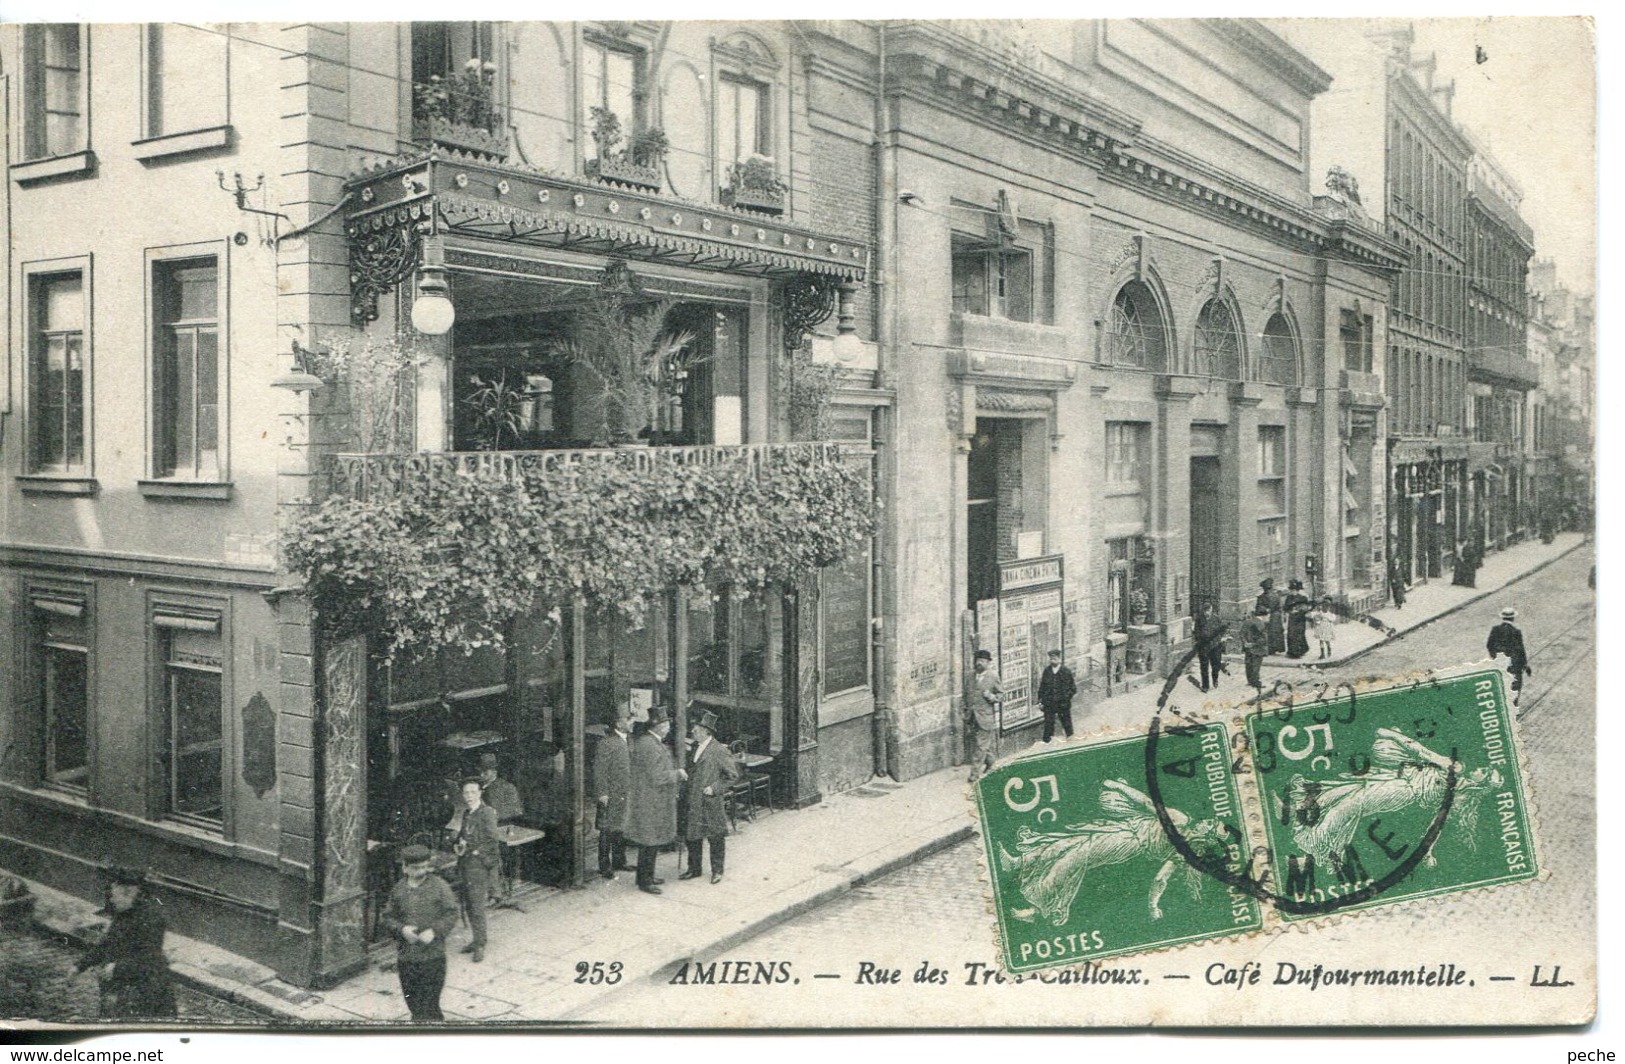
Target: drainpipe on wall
883 632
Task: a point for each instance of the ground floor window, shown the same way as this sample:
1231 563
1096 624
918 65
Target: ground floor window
62 648
192 688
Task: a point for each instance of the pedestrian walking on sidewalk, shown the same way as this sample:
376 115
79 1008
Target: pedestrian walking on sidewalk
612 777
420 914
652 820
1325 622
1396 585
1506 638
1296 606
1255 643
1056 689
712 769
985 715
478 846
1209 644
136 983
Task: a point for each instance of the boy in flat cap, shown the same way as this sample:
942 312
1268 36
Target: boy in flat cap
136 983
420 914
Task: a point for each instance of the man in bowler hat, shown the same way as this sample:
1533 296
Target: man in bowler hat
712 769
1056 688
652 822
612 774
420 914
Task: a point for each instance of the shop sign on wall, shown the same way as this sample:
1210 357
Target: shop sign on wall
1028 622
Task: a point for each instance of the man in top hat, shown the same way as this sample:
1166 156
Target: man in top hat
985 714
137 981
1505 638
477 842
652 820
711 770
420 914
612 775
500 794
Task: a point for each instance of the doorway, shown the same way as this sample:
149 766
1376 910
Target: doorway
1204 531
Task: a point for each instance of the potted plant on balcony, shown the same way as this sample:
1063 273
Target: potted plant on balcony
754 184
637 163
621 340
459 111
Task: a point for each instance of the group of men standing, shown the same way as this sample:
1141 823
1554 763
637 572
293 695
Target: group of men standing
638 781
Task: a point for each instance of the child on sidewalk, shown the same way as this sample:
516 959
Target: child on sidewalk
1325 622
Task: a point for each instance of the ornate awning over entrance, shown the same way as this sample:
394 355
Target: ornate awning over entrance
395 205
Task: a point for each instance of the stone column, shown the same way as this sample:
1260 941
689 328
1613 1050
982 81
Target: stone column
1238 533
1171 512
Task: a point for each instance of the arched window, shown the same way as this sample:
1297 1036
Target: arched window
1278 359
1137 335
1218 344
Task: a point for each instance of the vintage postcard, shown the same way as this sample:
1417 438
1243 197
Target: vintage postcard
809 523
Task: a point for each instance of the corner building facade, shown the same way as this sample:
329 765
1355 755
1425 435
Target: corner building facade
1137 359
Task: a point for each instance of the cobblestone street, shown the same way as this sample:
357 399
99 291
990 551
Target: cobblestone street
941 900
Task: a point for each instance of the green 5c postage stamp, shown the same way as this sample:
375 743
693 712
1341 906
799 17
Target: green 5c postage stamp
1375 798
1082 866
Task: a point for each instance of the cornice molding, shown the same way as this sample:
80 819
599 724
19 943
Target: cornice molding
1256 38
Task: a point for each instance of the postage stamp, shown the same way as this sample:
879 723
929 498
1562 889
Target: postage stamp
1081 865
1380 797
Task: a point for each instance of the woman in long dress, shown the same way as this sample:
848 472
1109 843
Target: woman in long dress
1296 606
1050 867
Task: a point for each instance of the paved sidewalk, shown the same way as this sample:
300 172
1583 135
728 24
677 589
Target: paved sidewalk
780 865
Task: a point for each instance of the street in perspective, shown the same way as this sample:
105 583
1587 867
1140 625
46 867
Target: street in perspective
515 522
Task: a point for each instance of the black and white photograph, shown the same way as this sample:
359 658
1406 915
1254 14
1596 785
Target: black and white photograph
738 525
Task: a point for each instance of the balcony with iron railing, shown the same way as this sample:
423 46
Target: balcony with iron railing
378 476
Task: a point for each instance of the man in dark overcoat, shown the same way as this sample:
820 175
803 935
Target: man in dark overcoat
1056 688
1255 643
1506 638
712 769
652 820
1274 624
137 983
612 774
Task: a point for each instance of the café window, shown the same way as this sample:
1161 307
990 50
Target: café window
54 84
191 659
58 373
186 369
61 644
730 662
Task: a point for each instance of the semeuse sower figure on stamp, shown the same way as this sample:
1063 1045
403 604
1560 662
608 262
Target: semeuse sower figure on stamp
1327 816
136 983
1506 638
420 914
1050 866
985 715
1056 689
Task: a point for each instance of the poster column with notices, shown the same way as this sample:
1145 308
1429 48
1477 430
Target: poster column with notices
1029 624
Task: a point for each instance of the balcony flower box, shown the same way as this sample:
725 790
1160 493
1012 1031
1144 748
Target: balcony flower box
754 184
440 132
762 201
620 170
